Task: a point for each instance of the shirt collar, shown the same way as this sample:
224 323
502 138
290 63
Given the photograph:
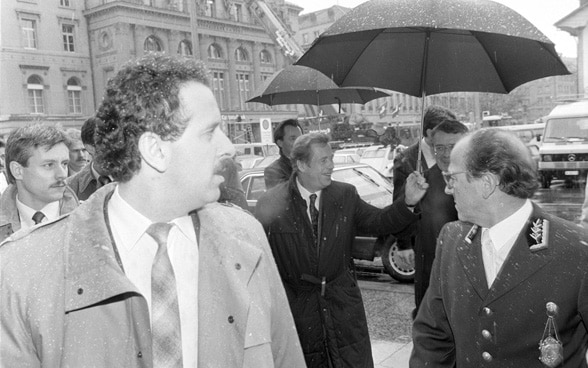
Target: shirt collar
51 211
510 227
306 194
131 224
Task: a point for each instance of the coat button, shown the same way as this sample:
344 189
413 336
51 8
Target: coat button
80 291
238 266
139 355
487 311
487 335
231 319
486 356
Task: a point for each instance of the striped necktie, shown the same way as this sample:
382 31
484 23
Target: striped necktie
314 216
165 311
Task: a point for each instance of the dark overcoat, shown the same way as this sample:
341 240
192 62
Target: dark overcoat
463 323
320 279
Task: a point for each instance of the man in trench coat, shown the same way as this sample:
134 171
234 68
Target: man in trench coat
314 257
85 290
502 269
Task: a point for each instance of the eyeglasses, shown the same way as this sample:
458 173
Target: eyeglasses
449 177
441 149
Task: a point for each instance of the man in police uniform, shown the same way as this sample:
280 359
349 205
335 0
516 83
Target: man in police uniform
498 268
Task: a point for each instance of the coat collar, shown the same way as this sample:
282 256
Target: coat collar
526 257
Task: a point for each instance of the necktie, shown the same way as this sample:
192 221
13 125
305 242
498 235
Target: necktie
314 215
488 256
165 312
38 217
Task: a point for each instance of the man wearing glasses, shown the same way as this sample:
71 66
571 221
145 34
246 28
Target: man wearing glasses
436 207
509 285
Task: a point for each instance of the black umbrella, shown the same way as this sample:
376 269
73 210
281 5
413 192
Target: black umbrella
302 85
425 47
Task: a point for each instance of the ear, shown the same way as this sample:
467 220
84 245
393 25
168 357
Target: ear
16 170
280 142
155 152
91 149
302 166
489 184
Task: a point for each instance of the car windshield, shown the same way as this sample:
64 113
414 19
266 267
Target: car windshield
370 184
374 153
567 129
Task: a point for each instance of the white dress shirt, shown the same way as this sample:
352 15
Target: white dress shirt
502 236
306 194
137 251
25 213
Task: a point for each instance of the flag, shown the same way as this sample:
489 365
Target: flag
382 109
396 110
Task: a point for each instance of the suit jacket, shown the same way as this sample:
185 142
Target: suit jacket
329 315
9 217
74 306
464 323
83 182
279 171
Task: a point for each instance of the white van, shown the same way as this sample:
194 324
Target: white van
564 150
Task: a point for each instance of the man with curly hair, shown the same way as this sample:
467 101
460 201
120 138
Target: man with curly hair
150 271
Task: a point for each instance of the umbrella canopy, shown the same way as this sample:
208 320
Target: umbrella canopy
425 47
302 85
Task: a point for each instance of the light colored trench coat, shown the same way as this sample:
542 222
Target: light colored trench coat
65 302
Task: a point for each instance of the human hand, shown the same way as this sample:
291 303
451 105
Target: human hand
406 256
415 188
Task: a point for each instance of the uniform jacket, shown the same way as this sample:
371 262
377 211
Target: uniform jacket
463 323
65 301
9 211
279 171
327 313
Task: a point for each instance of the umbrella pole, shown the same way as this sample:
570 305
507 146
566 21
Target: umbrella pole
419 167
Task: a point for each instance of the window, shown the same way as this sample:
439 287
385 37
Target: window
65 3
29 33
214 52
67 31
35 94
210 10
241 54
305 38
237 12
185 48
74 92
265 56
152 44
243 86
316 34
218 88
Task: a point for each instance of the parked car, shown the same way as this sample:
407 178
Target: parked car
341 157
381 158
373 188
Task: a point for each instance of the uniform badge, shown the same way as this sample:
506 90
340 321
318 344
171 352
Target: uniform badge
550 345
471 234
538 234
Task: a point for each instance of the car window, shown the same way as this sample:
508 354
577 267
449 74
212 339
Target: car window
373 153
256 188
371 187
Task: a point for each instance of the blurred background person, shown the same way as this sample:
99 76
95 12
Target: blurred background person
231 190
91 177
436 207
284 136
3 177
36 159
78 157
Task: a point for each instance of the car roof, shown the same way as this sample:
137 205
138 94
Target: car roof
257 170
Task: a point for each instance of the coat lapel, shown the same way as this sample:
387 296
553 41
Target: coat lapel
469 252
525 258
329 209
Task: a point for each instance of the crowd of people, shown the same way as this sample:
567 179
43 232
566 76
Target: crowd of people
128 243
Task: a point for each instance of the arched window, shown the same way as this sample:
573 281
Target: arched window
74 96
185 48
152 44
214 52
35 94
241 54
265 56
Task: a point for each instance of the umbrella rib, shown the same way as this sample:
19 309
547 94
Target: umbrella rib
376 34
475 34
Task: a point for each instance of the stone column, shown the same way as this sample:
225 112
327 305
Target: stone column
257 47
232 75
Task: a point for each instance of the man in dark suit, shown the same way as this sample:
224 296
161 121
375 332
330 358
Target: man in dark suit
436 207
281 169
311 222
503 269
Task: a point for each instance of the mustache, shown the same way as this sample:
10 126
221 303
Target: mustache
58 184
